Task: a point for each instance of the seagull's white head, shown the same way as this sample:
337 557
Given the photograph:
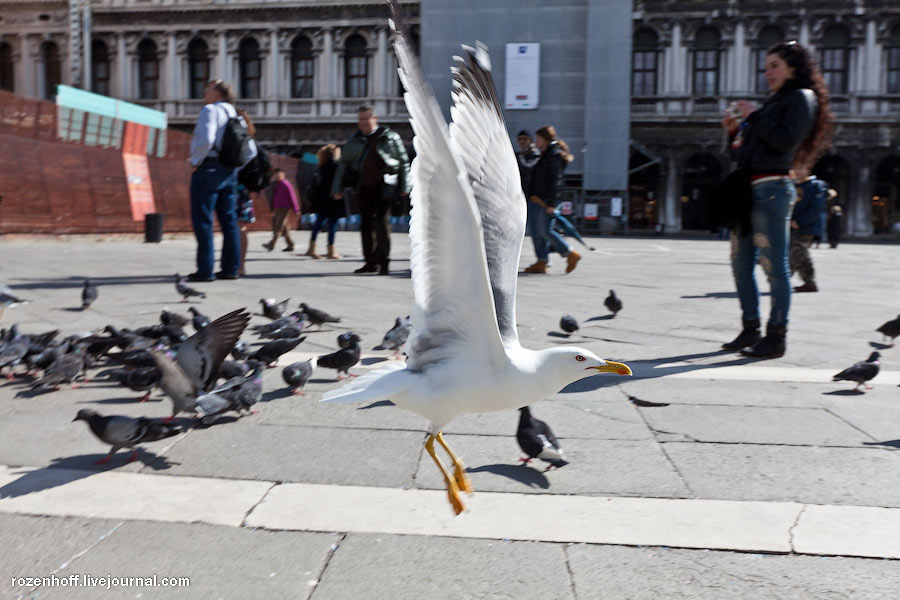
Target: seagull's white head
573 364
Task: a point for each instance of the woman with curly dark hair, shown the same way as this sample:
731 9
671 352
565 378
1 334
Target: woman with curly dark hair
791 129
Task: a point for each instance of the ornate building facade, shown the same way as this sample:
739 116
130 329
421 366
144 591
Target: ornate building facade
300 68
690 59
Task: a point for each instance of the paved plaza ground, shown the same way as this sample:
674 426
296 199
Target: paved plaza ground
706 475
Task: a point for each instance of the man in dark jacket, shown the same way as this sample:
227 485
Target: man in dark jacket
527 157
806 225
375 165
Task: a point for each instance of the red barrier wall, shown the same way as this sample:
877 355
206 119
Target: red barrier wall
52 186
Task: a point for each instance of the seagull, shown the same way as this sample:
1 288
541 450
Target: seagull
88 294
568 324
466 234
861 372
125 432
890 329
396 336
536 439
185 290
613 303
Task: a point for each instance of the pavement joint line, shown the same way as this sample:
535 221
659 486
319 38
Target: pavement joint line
571 575
331 552
773 444
261 499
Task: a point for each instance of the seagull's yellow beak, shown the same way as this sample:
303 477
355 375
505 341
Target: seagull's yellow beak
613 367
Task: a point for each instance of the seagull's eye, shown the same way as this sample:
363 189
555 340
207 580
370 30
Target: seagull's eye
580 358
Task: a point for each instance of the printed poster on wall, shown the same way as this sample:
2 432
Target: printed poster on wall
137 170
523 69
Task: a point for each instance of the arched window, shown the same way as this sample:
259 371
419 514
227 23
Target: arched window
302 67
7 68
52 68
893 61
198 67
100 67
251 68
644 63
148 70
356 67
706 62
768 37
836 58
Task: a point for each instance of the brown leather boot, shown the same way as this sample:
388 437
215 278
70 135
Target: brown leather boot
538 267
572 259
809 286
331 252
312 251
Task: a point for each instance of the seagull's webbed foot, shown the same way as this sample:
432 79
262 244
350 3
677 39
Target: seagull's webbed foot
459 472
452 487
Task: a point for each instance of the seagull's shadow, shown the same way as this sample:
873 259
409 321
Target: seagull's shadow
652 368
601 318
853 392
372 360
72 468
889 443
558 334
524 474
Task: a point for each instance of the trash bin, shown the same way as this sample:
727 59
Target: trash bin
153 227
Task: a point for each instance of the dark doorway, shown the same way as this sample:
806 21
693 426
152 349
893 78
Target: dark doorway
886 196
702 172
643 191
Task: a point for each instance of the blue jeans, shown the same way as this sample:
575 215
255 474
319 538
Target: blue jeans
319 223
214 189
773 202
543 236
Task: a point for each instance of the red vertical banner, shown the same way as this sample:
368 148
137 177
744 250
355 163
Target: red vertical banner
137 170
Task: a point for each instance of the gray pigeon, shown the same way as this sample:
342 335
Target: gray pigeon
166 317
44 359
536 439
211 405
316 316
396 336
13 352
273 309
185 290
613 303
344 358
233 368
288 331
890 329
125 432
176 385
861 372
568 324
296 375
240 351
143 379
200 321
201 355
295 318
63 370
244 391
88 294
9 299
268 353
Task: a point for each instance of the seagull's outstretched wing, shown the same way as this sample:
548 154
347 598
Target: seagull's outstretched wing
479 136
454 313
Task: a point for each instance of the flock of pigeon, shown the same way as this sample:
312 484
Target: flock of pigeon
194 372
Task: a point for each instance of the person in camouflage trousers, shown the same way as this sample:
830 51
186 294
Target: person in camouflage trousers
806 225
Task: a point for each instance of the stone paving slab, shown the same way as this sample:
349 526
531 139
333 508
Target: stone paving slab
848 530
411 567
651 573
864 476
618 467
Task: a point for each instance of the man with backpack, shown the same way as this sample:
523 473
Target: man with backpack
221 145
806 225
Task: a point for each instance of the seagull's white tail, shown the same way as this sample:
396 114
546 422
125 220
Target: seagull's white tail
379 384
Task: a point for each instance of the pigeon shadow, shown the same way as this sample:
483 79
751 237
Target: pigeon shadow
284 392
78 282
880 346
853 392
122 400
219 420
601 318
335 380
72 468
72 309
558 334
377 404
524 474
889 443
372 360
654 368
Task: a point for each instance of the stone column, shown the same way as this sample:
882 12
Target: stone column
859 212
222 56
379 88
123 81
672 199
26 69
324 74
679 62
740 78
804 36
173 67
872 61
272 89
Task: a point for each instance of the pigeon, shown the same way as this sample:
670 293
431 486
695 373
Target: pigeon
537 441
12 353
200 321
288 331
568 324
344 358
44 359
296 375
201 355
396 336
890 329
9 299
125 432
861 372
272 309
292 319
268 353
143 379
613 303
240 351
167 317
185 290
88 294
209 406
243 391
233 368
63 370
175 383
316 316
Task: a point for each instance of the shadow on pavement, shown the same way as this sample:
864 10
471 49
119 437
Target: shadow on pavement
880 346
524 474
890 443
853 392
284 392
721 295
601 318
378 404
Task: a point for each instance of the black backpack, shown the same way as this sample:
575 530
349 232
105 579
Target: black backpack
258 172
235 150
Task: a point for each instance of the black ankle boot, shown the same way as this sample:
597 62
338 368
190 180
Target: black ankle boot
748 336
771 346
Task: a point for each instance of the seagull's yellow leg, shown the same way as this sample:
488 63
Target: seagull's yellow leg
452 488
462 480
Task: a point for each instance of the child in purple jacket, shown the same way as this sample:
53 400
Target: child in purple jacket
284 200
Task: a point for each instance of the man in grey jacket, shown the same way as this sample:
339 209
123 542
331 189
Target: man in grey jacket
375 165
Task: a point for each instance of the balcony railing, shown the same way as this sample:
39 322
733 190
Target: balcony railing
287 110
854 106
